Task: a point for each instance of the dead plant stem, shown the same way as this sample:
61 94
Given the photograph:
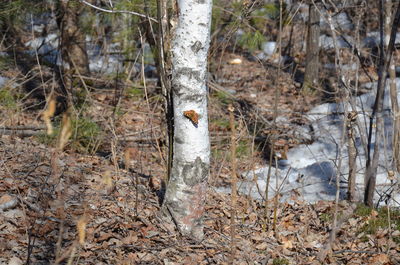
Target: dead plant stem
233 181
276 101
276 201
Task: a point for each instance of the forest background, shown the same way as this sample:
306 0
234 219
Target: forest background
84 133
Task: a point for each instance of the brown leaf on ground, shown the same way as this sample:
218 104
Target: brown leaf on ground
380 259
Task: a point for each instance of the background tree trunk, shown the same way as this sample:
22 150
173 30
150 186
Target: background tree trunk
312 53
393 92
352 151
186 190
377 114
73 44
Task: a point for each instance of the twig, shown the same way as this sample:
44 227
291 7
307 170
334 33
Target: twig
357 252
23 133
234 181
60 239
276 199
275 115
69 253
117 11
23 128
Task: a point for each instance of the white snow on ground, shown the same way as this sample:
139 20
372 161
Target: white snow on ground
109 61
310 171
3 81
46 46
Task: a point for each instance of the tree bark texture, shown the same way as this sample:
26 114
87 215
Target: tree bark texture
186 190
312 49
352 151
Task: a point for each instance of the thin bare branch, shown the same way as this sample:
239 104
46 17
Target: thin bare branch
117 11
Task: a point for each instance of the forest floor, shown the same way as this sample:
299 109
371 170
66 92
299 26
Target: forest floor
103 208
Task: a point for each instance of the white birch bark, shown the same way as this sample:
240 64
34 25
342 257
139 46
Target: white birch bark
186 191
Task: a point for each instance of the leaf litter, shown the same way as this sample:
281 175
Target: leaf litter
100 212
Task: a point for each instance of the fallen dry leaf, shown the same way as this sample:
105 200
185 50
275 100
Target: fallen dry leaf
8 202
262 246
380 259
286 243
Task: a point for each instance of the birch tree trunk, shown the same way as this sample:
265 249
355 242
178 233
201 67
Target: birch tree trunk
186 190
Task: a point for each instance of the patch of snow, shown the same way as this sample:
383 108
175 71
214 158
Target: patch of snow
239 33
3 81
42 44
305 183
47 46
269 47
230 91
310 171
326 42
340 21
373 39
345 67
39 28
261 56
102 64
268 50
100 60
